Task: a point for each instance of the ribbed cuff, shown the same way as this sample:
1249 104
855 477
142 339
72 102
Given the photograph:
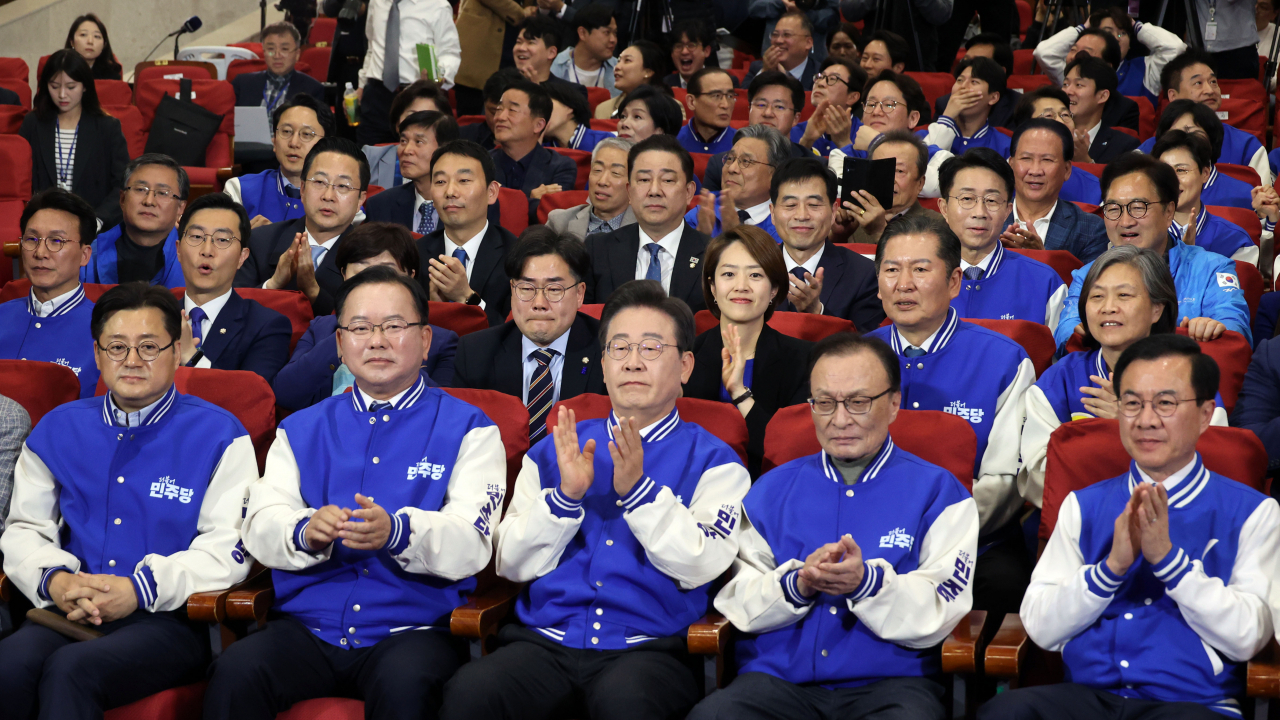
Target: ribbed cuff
144 586
949 124
300 537
1175 566
1268 226
872 581
1101 581
46 577
791 590
563 506
643 492
398 540
1137 27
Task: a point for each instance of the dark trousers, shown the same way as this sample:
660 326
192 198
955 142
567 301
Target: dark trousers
1069 701
1003 571
1238 64
531 677
375 115
998 16
47 675
285 663
764 697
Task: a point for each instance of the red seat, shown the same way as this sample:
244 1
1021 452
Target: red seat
20 287
1251 283
718 418
511 417
240 392
1232 353
1089 208
330 708
132 125
217 96
1060 260
470 120
608 124
1094 169
1146 116
595 96
790 435
741 110
1248 89
15 181
14 68
159 69
700 161
289 303
1024 62
1243 173
1035 338
38 386
1245 114
458 317
185 701
1027 83
113 92
317 60
804 326
934 84
929 203
1084 452
11 119
1120 128
864 249
595 310
1025 16
322 31
372 191
20 87
559 201
581 158
513 208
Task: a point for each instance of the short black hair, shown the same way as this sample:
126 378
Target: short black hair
1117 15
800 170
664 110
695 29
593 16
803 17
543 27
420 90
979 157
1053 126
1161 175
539 240
1111 53
539 100
694 86
857 76
921 224
324 115
55 198
1171 75
1204 370
1102 74
1001 49
572 99
444 127
906 137
906 85
1027 103
470 149
769 78
283 27
381 275
844 344
498 82
1191 142
662 143
77 68
648 294
136 296
895 44
371 239
985 69
1204 118
653 58
218 201
184 183
341 146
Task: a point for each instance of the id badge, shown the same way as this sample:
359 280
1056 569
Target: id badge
1211 31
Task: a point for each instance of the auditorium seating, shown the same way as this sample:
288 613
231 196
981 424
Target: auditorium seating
580 158
322 31
934 85
559 201
11 119
20 87
15 190
805 326
217 96
458 317
145 72
513 206
1035 338
38 386
1062 261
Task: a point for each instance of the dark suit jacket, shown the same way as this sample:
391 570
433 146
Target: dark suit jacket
479 133
1075 231
487 276
394 205
1121 111
1110 144
9 97
849 289
247 336
492 360
308 377
98 168
778 379
806 78
268 243
1258 406
1001 114
546 167
249 87
613 262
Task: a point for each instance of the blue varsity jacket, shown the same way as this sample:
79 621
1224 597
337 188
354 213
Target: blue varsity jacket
264 194
1014 287
63 337
102 265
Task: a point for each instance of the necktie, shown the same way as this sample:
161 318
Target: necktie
427 221
913 351
317 251
198 316
461 255
655 264
379 406
541 386
973 272
391 54
799 272
744 216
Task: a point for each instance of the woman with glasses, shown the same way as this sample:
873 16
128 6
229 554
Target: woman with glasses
1127 295
642 63
75 145
744 361
88 36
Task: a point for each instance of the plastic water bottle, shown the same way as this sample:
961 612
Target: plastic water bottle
351 104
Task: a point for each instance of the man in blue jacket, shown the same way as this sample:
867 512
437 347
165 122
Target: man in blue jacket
1141 196
144 247
275 195
1155 584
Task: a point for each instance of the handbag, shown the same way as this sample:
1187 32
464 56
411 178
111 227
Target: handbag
182 129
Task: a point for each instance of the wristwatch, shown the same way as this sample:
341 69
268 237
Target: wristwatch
745 396
474 298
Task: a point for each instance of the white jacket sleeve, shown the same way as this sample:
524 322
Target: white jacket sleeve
1262 163
754 600
696 544
1040 424
30 542
274 510
531 537
1235 617
455 541
1164 46
1051 53
215 559
448 47
1248 253
1054 309
931 187
1065 595
231 189
920 608
995 489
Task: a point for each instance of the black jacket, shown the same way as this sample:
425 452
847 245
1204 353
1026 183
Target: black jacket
248 336
1110 144
491 360
98 169
249 87
546 167
613 262
1121 111
268 243
393 205
849 289
778 379
487 276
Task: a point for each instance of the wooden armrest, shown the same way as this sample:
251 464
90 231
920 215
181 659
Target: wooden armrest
226 173
1007 650
62 626
962 650
6 587
710 635
211 607
251 599
12 249
1264 672
480 616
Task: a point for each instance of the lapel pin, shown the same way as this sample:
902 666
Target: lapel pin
222 331
586 360
693 262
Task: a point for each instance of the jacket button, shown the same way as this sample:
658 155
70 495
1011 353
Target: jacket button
596 626
375 461
848 493
1124 663
351 631
1128 616
915 404
833 610
332 368
825 653
37 326
343 641
386 418
919 366
120 479
357 607
598 583
595 641
111 563
366 572
372 421
599 611
117 521
609 543
1147 601
618 503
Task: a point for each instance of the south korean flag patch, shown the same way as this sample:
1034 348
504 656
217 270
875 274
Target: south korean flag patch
1227 280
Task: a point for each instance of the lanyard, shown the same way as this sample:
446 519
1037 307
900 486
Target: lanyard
274 100
64 165
599 75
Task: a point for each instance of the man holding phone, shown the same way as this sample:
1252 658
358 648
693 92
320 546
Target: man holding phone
866 213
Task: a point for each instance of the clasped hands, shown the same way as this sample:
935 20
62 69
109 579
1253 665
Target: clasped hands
577 470
1142 529
835 569
295 263
365 529
91 599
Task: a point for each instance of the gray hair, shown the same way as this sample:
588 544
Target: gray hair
1156 279
778 144
616 143
910 138
184 185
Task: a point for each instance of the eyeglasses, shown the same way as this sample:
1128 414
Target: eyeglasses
526 292
993 203
828 80
1137 209
286 133
720 97
690 46
887 105
393 329
141 190
196 239
745 163
1165 405
322 186
776 35
280 52
148 350
649 349
31 244
761 106
858 405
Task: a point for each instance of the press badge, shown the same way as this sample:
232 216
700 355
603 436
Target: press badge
1211 31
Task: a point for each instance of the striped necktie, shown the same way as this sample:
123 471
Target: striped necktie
541 393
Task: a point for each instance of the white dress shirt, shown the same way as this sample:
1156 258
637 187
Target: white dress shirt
1041 226
429 22
670 244
471 247
1093 132
810 266
211 310
45 309
556 368
983 263
758 213
131 419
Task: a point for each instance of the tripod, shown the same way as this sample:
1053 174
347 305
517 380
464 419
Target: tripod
883 8
1194 40
1054 9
